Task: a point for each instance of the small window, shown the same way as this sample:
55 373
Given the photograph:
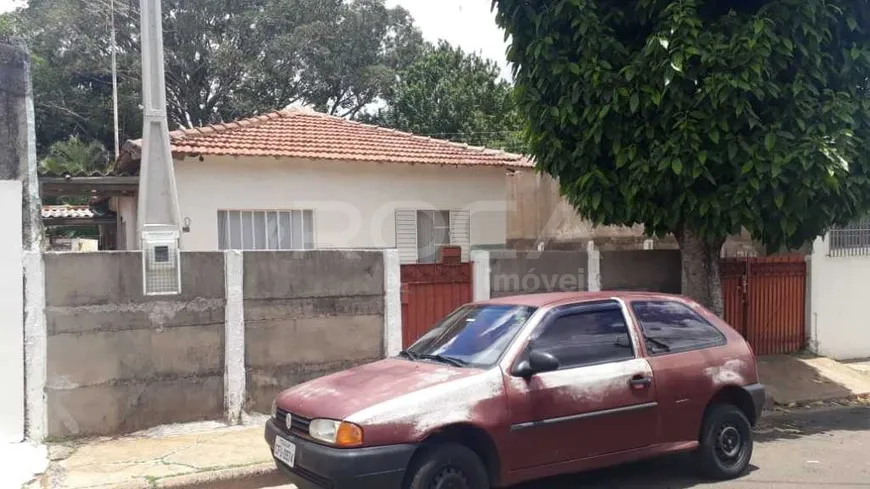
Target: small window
420 234
672 327
433 232
266 230
587 338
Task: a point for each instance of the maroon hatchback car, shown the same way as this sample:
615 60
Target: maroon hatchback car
519 388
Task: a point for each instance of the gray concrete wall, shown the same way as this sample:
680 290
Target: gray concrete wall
523 272
308 314
652 270
120 362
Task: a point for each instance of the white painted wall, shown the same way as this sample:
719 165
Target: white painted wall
354 203
839 307
12 305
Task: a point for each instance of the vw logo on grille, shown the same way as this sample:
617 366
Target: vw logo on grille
289 421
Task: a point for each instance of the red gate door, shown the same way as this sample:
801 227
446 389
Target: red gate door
765 299
430 292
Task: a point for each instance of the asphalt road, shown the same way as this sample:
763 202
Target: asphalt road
810 449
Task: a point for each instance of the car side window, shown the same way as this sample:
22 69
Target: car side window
672 327
586 338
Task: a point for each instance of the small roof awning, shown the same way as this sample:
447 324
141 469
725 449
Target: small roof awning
90 185
75 215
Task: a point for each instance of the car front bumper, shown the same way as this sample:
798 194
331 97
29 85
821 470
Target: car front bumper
759 398
321 467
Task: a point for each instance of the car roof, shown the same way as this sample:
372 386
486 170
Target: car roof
551 299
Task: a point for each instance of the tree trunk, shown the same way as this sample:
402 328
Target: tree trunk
700 259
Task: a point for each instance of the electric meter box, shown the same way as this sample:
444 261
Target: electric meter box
161 262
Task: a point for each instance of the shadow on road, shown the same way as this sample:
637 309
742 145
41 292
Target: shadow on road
798 424
678 472
672 472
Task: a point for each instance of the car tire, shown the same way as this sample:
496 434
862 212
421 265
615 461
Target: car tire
447 465
726 443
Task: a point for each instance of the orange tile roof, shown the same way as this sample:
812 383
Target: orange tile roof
301 133
67 212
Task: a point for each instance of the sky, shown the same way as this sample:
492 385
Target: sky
469 24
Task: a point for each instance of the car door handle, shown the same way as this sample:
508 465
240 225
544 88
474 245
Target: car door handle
640 382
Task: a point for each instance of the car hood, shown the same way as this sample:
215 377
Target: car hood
340 395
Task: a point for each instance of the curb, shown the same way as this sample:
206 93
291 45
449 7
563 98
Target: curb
773 406
260 475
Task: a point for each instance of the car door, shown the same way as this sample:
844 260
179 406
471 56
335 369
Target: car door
679 345
602 398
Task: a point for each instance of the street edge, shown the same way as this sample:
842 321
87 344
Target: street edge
259 475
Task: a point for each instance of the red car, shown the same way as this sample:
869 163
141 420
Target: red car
520 388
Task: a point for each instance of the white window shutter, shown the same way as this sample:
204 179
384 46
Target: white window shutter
460 232
406 235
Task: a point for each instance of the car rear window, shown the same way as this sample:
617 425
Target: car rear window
671 327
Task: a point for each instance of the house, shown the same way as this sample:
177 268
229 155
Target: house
540 218
298 179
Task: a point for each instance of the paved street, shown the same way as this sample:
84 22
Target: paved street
824 449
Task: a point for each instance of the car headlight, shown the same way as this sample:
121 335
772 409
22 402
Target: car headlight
274 412
338 433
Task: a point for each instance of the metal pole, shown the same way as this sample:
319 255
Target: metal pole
115 79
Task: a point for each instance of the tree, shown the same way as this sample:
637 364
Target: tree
450 94
699 117
75 156
224 60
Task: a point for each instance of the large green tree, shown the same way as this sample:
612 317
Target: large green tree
450 94
224 60
699 117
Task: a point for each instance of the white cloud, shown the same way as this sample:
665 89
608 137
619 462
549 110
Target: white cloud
466 23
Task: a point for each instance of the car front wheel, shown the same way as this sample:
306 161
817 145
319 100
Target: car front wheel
726 443
447 466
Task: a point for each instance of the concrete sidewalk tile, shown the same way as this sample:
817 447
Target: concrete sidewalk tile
125 450
800 379
97 475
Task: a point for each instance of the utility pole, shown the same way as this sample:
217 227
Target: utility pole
114 77
159 217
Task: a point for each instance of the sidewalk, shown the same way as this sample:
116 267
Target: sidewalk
212 455
800 379
178 457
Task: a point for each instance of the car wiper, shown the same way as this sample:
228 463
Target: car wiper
456 362
661 344
409 355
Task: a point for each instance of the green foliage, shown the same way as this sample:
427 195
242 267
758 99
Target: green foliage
450 94
700 115
74 156
224 60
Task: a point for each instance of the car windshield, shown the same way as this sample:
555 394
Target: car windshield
473 336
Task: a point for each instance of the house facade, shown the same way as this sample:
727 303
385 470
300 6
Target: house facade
540 218
296 180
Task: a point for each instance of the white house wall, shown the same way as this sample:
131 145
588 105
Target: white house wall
839 289
354 203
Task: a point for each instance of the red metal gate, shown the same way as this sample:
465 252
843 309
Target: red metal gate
765 300
430 292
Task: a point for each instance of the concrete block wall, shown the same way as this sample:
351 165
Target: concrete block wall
509 272
246 326
308 314
648 271
118 361
520 272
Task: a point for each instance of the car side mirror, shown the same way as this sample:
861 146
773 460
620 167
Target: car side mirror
538 362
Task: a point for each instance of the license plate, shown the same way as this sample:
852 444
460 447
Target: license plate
285 451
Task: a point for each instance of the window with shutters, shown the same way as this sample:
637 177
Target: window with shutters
420 234
266 230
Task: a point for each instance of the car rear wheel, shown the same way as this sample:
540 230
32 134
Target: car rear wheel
447 466
726 443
